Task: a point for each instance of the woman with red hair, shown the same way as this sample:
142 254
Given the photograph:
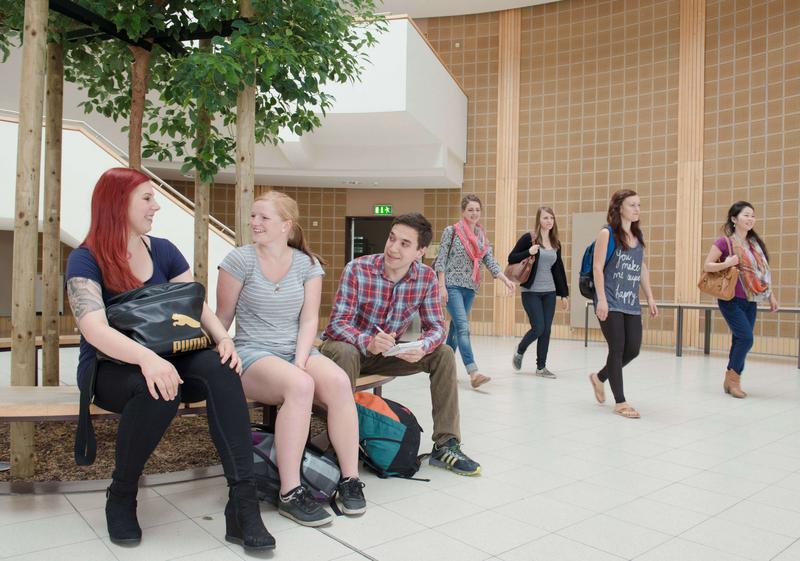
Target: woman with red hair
144 388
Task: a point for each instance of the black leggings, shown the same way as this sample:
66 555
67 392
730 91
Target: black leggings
540 307
121 388
623 332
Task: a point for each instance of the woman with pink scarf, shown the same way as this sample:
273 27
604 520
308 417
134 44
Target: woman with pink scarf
463 248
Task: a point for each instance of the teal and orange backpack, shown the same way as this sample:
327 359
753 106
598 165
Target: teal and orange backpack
388 435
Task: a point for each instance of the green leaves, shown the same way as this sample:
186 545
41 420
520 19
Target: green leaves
289 50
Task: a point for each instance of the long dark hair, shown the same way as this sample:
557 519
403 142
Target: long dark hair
729 227
614 218
537 230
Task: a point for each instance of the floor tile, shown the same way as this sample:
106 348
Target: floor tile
683 550
21 508
92 550
376 526
591 496
614 536
554 547
738 539
428 545
545 513
658 516
43 533
765 517
491 532
692 498
791 553
150 512
166 541
433 509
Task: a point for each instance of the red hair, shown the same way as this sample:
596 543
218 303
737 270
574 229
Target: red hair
108 231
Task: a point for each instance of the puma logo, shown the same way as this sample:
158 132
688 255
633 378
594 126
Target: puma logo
180 320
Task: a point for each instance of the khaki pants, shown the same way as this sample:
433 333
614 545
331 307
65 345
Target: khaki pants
440 364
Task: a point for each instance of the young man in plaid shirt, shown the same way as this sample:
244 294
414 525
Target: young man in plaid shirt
378 295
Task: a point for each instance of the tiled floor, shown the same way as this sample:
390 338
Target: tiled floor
700 477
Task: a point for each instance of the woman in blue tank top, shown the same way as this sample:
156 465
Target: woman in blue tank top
617 286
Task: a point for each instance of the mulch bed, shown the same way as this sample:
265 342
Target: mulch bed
185 445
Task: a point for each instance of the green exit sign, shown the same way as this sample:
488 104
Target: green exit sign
382 210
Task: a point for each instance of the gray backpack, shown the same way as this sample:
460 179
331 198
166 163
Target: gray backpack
319 471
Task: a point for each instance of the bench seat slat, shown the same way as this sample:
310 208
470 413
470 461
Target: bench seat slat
43 403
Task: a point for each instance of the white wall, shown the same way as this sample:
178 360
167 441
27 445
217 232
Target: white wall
83 162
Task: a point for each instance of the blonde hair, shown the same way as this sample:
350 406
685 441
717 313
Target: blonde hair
287 209
537 230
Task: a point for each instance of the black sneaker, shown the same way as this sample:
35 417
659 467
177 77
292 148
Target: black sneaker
352 496
299 506
449 456
516 362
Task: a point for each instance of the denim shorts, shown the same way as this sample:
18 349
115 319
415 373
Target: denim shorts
251 353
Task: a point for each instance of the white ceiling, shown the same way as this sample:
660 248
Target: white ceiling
436 8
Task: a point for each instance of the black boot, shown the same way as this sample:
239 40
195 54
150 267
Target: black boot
243 519
123 527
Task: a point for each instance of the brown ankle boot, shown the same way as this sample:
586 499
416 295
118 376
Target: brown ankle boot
732 384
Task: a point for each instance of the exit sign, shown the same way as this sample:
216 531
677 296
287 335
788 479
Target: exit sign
382 210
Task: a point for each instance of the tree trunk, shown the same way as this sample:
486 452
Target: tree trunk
51 245
140 76
29 151
245 149
202 196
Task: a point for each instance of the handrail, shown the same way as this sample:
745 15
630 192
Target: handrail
679 308
13 116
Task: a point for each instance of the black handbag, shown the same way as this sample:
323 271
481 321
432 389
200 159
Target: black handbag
164 318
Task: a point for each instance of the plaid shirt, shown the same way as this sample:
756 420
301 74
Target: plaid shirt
367 299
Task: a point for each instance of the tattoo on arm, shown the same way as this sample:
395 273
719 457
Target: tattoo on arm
85 296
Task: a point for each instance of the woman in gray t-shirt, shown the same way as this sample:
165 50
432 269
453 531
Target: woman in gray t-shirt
546 283
617 286
273 288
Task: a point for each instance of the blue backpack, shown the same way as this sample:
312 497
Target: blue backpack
586 279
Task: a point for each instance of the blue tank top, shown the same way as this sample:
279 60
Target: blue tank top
622 277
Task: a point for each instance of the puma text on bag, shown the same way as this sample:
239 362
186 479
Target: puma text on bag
388 436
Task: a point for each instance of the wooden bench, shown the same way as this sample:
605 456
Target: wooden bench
60 403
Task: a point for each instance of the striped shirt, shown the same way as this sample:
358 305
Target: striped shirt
268 313
367 299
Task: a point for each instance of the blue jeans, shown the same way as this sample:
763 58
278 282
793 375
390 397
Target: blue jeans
740 316
540 307
459 303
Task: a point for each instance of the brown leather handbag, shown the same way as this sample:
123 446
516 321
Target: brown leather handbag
721 284
520 272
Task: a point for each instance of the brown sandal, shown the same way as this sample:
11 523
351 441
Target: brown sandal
599 390
628 412
477 380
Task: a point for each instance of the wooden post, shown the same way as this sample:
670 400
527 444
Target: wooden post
29 152
245 149
140 76
51 243
507 157
202 195
689 215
